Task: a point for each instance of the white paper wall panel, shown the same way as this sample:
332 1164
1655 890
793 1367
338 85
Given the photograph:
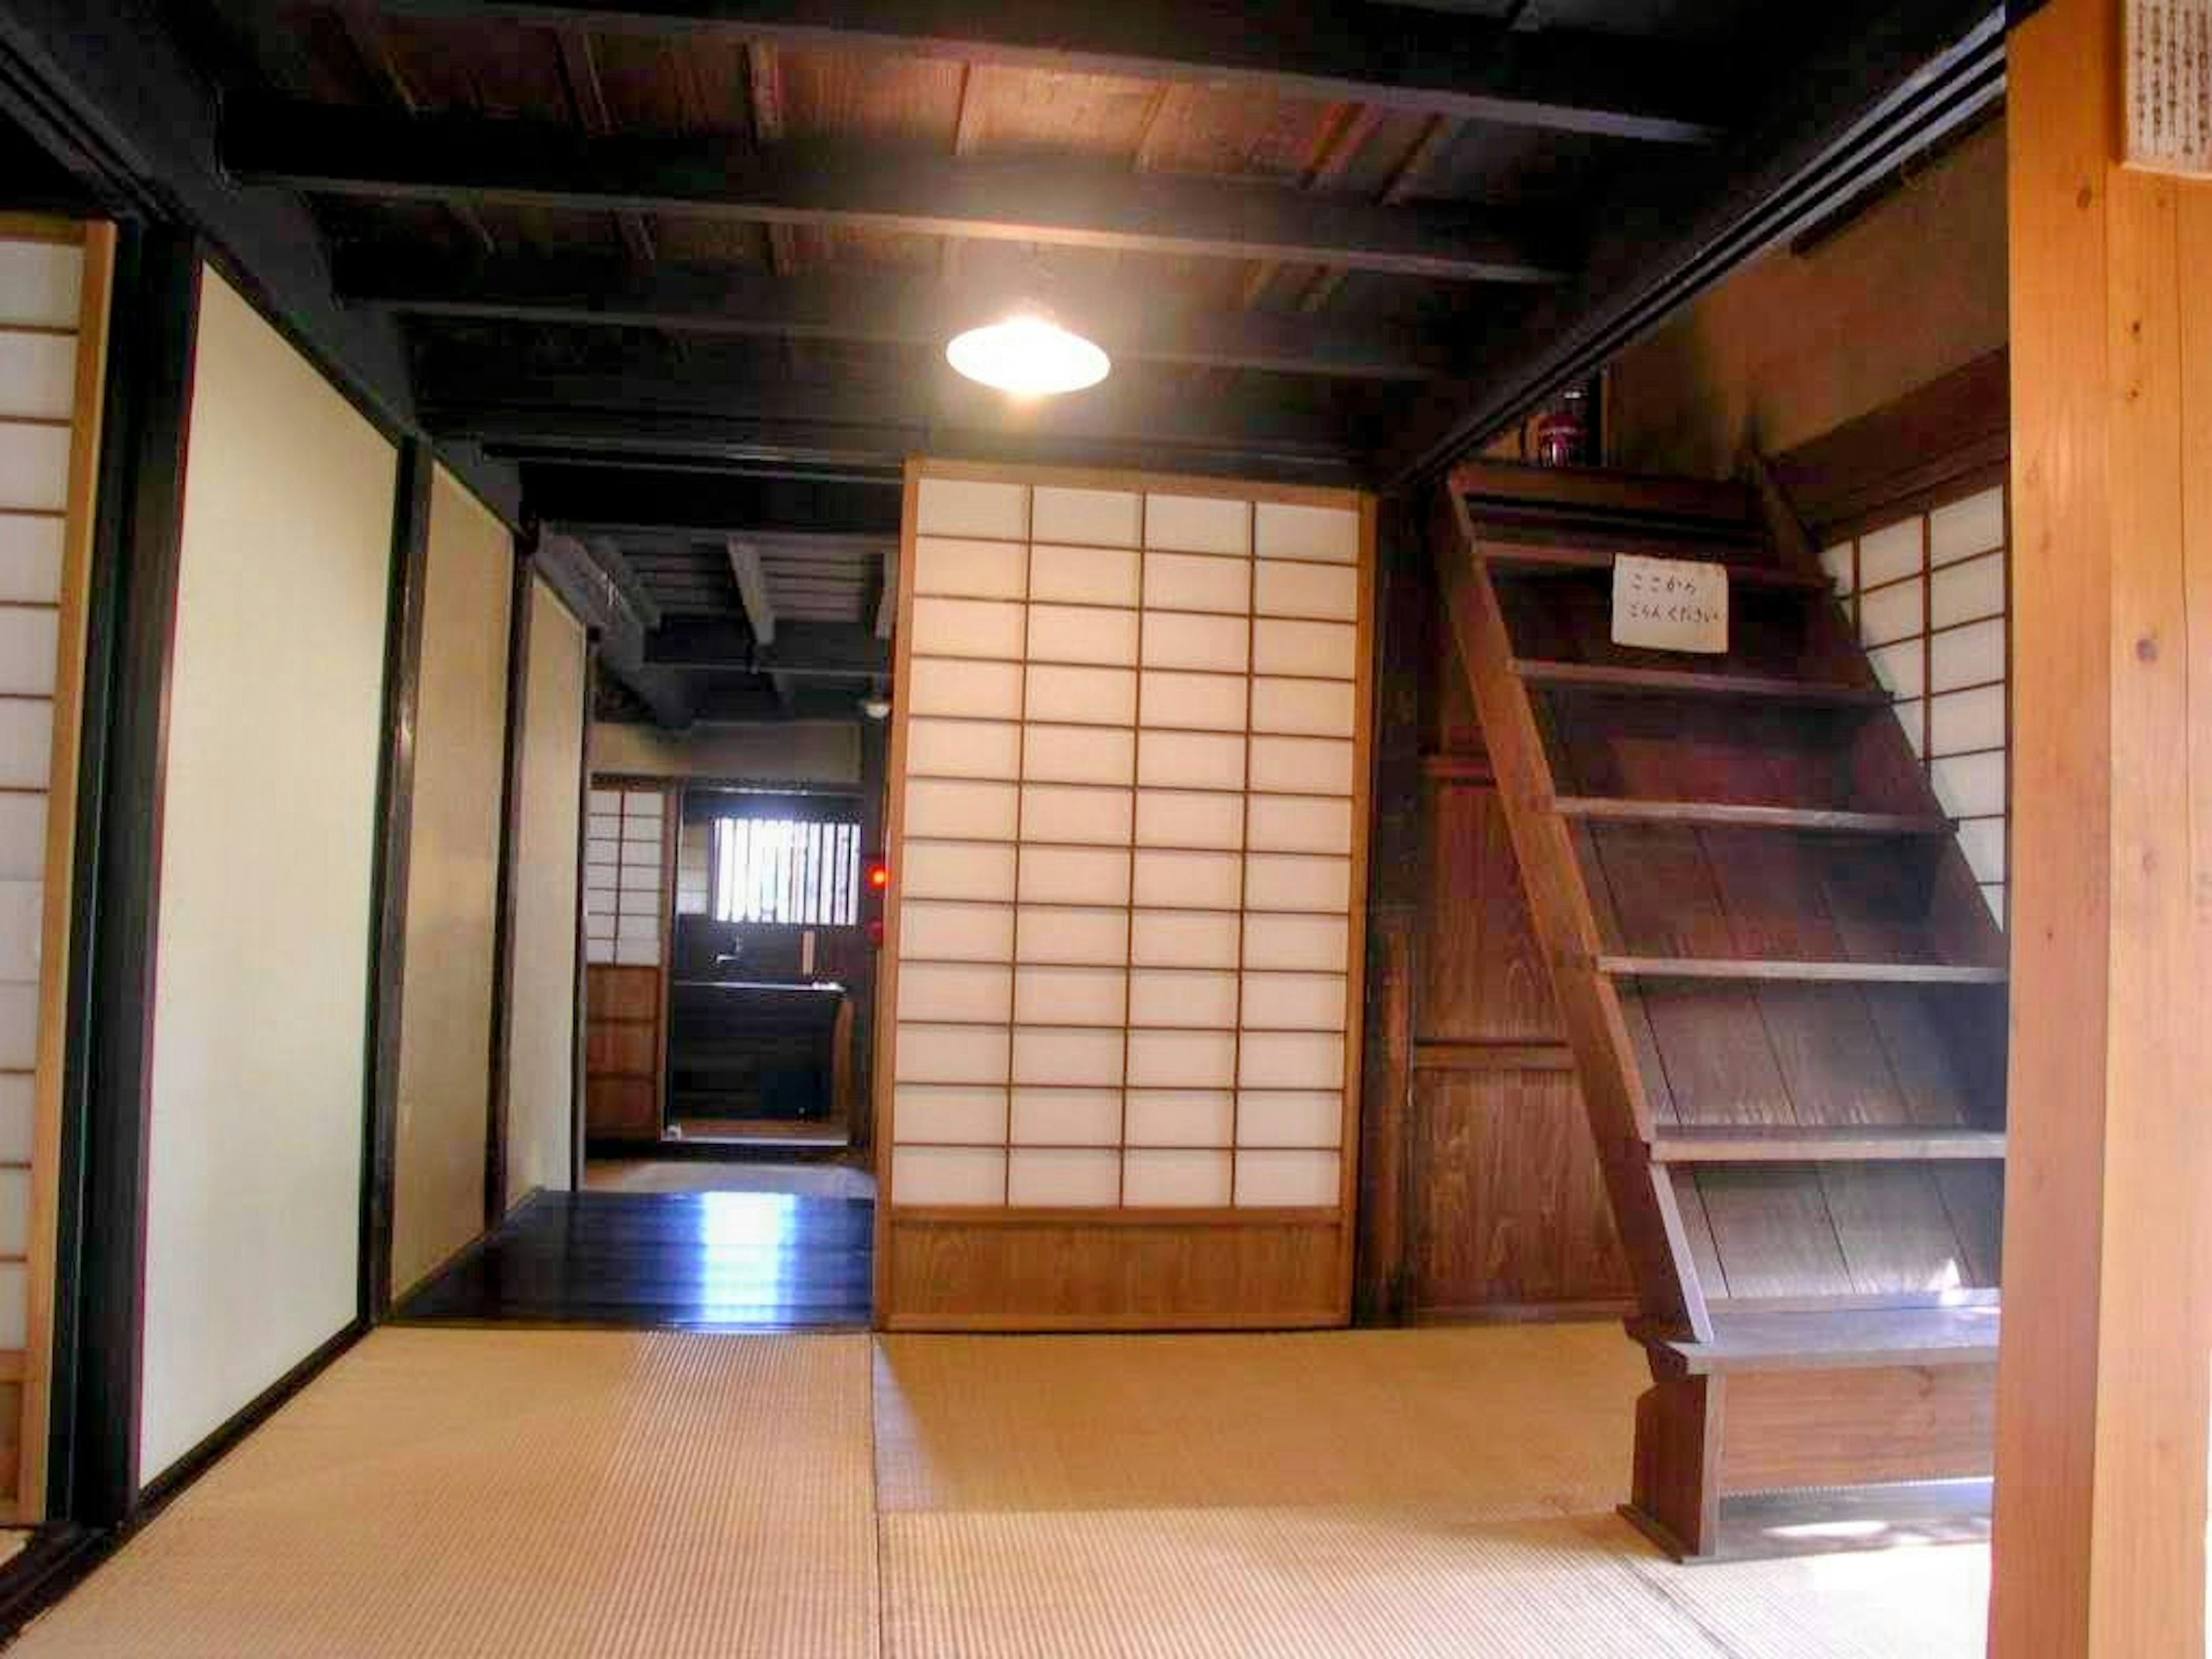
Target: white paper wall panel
1309 1118
1889 613
41 283
1082 634
1075 875
1288 1059
1071 996
1190 760
15 1308
1050 1178
1316 945
959 507
22 911
30 556
1973 655
1178 639
1205 702
1067 1055
1176 817
1966 592
1078 754
1082 576
975 570
1960 721
1889 554
950 1054
17 1096
1312 650
1983 842
973 690
27 739
1196 581
22 834
938 931
1179 880
1067 1117
1319 592
1180 1117
1273 1180
1183 939
1302 766
38 376
1093 518
1202 999
962 749
1286 531
1067 934
952 1114
1298 823
27 642
1197 523
268 850
34 467
1066 812
1294 1002
1902 668
968 628
1963 528
1175 1179
1182 1059
949 1176
1321 709
1083 697
962 992
1287 881
948 809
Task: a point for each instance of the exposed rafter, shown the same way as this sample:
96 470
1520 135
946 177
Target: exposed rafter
1431 63
613 499
841 651
760 610
868 306
447 158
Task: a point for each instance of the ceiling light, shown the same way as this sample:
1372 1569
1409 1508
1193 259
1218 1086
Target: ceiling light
876 708
1028 355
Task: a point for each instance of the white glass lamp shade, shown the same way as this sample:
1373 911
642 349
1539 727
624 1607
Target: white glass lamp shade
1028 355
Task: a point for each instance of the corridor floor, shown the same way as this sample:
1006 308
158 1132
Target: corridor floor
458 1491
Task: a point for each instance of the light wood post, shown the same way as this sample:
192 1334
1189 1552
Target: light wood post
2103 1396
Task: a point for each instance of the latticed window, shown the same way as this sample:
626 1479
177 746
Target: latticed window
804 873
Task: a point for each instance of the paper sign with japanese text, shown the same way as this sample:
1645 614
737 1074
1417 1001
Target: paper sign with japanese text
1669 604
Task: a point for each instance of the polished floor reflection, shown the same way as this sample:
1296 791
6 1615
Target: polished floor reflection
708 1260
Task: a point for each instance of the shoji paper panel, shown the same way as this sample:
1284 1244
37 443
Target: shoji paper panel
1930 594
625 885
268 848
1130 845
453 884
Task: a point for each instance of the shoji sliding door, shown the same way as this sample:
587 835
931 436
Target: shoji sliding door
1129 822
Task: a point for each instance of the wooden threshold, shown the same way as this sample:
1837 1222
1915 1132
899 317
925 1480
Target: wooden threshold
1793 1144
1721 815
1816 973
1678 683
1543 556
1844 1339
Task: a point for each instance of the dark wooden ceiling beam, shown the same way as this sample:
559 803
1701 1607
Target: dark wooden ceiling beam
800 650
1404 58
588 499
874 308
327 150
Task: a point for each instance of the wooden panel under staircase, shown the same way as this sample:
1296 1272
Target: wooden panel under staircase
1784 993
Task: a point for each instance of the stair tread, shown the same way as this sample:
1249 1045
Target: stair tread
1740 1143
1841 973
1856 1337
1690 683
1729 815
1534 555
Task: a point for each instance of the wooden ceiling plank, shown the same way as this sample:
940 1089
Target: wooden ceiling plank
580 68
329 151
875 308
1423 62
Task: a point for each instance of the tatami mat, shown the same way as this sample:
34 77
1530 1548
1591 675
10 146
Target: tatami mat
1442 1494
462 1492
1497 1421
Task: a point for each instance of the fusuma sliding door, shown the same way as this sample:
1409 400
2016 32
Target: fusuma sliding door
1128 810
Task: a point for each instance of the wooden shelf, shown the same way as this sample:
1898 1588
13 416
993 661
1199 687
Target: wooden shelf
1545 556
1825 1341
1679 683
1795 1144
1724 815
1829 973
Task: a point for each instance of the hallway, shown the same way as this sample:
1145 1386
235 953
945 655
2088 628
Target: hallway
456 1492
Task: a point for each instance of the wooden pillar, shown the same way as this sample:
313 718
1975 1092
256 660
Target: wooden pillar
2102 1392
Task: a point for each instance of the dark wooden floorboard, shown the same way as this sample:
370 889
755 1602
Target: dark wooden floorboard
712 1261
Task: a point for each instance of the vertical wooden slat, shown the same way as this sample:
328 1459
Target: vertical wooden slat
502 1019
2103 1388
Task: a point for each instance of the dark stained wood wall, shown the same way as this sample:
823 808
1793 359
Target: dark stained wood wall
1503 1214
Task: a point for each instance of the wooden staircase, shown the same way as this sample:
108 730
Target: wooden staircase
1784 993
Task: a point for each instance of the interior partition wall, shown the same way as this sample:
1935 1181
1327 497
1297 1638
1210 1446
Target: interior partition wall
1128 790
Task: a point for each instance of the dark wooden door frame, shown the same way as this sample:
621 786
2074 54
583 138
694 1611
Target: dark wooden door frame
577 1095
395 796
520 594
101 1259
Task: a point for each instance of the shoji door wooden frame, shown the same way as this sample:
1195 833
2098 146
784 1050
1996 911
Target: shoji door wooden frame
971 1249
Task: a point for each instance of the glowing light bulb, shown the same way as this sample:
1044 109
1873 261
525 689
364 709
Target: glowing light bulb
1027 355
